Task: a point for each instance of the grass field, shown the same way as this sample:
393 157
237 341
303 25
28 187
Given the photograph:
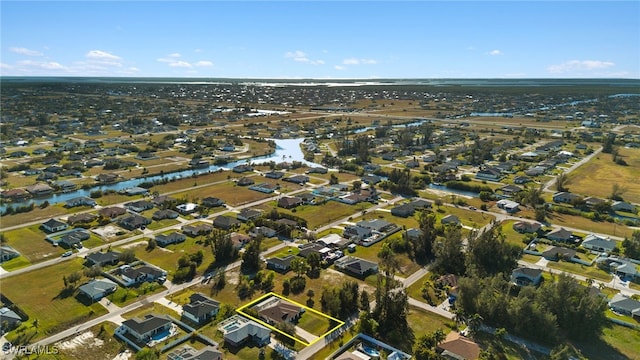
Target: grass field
580 222
37 214
596 177
46 300
579 269
30 242
319 215
616 342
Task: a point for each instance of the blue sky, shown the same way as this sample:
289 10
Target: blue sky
325 39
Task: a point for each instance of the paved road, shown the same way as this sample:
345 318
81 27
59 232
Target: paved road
582 161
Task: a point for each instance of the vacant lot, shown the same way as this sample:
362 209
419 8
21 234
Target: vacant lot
596 177
42 296
30 242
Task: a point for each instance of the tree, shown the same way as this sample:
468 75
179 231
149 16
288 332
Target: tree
333 179
299 266
74 277
151 244
631 246
449 252
251 261
127 256
617 191
365 304
147 354
315 264
422 246
488 253
222 247
562 181
388 261
93 271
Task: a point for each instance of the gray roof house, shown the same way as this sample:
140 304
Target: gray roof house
9 317
450 219
144 329
597 243
98 288
200 308
80 201
560 235
625 305
280 264
526 276
238 329
8 253
356 266
53 225
172 238
103 259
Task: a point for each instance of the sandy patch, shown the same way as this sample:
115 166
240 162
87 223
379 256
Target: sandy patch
125 355
108 231
137 243
85 340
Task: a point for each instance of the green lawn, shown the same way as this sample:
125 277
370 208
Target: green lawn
30 242
588 271
425 322
159 224
46 300
16 263
319 215
151 308
314 323
616 342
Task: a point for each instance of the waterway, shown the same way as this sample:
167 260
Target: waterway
287 150
454 191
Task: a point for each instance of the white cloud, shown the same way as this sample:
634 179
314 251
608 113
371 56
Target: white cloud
25 51
45 65
174 55
579 65
495 52
102 56
340 67
180 63
300 56
203 63
355 61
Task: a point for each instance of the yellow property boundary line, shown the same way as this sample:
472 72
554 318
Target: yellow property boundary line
273 328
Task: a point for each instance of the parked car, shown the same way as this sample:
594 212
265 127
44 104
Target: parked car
67 254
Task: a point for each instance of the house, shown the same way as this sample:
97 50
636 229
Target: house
274 174
523 276
623 206
225 222
80 201
524 227
197 230
112 212
65 185
275 311
188 353
625 305
248 214
144 329
245 181
211 202
619 266
510 190
200 308
289 202
280 264
593 201
10 318
132 276
314 247
239 240
264 231
458 347
406 210
134 221
8 253
102 259
334 241
15 194
139 206
560 235
163 201
598 243
371 179
39 189
565 197
355 232
489 173
521 180
74 238
450 219
165 214
105 178
317 170
53 225
96 289
237 329
298 179
242 168
356 266
413 234
172 238
555 253
136 190
266 188
82 218
187 208
508 205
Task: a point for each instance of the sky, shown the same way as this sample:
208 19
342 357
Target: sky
321 39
